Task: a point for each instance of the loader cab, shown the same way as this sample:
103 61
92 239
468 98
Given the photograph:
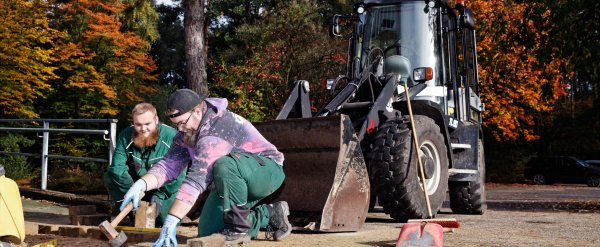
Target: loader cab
394 31
389 36
464 96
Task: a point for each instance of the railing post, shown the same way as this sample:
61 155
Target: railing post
112 142
46 136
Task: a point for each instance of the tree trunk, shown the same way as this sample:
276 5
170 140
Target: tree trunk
195 56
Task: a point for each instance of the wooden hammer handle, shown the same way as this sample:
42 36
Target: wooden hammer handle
124 212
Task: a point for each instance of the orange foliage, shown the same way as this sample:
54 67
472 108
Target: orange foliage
99 58
26 55
520 74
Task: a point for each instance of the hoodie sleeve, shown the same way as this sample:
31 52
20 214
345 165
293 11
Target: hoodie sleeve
173 163
199 175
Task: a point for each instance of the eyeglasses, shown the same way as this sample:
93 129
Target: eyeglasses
186 121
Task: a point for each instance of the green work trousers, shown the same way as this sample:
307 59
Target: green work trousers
240 179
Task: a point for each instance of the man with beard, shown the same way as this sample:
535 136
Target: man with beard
138 148
230 159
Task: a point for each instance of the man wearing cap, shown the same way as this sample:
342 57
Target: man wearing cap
230 158
138 148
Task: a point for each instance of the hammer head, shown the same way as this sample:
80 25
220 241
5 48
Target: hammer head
119 240
108 230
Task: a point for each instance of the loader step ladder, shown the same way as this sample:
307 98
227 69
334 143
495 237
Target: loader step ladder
460 146
453 171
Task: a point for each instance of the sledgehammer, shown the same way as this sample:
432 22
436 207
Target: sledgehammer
116 239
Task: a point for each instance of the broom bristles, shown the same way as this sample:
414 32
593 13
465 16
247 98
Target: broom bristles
444 222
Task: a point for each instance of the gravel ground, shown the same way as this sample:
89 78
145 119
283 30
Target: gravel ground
518 215
494 228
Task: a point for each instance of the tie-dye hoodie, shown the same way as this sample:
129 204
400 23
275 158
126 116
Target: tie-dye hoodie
220 133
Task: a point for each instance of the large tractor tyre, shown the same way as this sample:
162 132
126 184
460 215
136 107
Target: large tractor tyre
469 197
395 168
373 194
372 200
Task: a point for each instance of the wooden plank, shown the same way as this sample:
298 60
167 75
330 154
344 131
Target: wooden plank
103 206
145 215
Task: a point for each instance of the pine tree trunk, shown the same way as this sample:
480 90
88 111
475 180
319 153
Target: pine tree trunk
195 55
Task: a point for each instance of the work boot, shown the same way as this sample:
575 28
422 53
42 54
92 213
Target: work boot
234 237
279 226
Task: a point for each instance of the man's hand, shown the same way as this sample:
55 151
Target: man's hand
168 232
134 194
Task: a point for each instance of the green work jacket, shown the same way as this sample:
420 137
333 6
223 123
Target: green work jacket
129 163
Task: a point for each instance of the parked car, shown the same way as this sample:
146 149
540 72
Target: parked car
562 169
595 163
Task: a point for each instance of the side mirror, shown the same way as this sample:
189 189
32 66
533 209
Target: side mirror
334 26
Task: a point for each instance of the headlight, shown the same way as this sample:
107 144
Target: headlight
422 74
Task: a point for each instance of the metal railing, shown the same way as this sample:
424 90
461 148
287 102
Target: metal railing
111 132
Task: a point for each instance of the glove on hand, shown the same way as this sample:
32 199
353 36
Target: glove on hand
134 194
168 232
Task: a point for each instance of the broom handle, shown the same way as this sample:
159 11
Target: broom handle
418 149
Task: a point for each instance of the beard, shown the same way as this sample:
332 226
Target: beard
189 138
141 141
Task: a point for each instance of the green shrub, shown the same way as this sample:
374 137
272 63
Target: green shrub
16 166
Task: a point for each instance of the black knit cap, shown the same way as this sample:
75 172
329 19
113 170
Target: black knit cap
183 100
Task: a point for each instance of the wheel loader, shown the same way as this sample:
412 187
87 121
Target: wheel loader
411 70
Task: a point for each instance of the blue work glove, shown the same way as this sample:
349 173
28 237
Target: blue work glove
168 233
134 194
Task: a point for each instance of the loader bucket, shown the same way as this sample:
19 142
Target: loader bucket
327 183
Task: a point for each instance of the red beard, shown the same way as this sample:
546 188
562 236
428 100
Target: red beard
144 142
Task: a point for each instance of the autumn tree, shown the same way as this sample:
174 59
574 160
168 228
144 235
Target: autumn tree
287 44
27 53
522 75
576 115
103 69
103 64
141 18
579 39
226 16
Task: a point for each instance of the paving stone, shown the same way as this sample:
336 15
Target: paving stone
44 229
75 232
215 240
140 237
82 210
31 228
88 220
145 244
96 233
